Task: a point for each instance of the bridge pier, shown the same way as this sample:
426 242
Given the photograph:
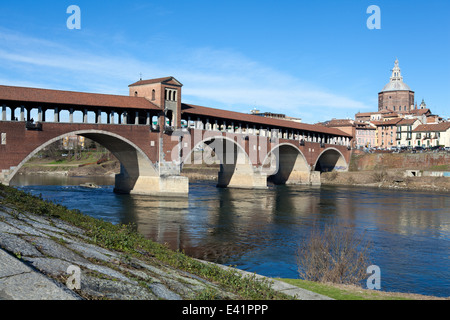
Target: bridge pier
304 178
241 177
170 186
5 177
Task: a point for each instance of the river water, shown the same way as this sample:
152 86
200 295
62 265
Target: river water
261 230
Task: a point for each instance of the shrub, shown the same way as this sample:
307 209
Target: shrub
331 176
379 176
333 255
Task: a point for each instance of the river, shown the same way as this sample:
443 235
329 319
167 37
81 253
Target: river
261 230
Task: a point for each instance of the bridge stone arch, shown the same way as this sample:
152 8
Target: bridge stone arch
286 164
331 159
137 170
236 168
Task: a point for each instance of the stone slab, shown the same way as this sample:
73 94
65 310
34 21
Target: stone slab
14 244
33 286
20 282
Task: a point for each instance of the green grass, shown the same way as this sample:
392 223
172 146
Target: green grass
442 167
351 292
83 158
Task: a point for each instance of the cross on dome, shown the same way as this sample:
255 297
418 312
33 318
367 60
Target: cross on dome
396 73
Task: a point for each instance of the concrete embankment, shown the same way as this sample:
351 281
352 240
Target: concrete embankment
43 257
393 171
429 161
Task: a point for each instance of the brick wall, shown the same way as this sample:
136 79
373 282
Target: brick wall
21 142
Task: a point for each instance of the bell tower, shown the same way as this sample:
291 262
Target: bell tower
166 94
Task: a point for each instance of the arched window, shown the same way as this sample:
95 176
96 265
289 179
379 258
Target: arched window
135 93
169 118
153 95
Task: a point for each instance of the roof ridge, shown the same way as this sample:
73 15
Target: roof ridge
65 97
268 121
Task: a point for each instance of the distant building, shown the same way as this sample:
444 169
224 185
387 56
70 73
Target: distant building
405 132
364 116
281 116
365 135
398 116
73 142
431 135
345 125
386 133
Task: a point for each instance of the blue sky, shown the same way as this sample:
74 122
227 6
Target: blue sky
311 59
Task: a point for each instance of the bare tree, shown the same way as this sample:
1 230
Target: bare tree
334 255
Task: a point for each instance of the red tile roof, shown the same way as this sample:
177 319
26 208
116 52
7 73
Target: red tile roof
364 125
340 123
407 122
199 111
365 114
443 126
44 97
420 111
390 122
389 112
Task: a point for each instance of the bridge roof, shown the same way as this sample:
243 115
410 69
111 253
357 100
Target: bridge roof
46 97
190 109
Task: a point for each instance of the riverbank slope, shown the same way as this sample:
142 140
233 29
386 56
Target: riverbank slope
389 170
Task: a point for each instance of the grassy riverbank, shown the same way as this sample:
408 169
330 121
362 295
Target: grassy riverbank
88 163
386 179
349 292
124 239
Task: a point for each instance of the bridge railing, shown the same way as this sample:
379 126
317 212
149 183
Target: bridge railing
78 115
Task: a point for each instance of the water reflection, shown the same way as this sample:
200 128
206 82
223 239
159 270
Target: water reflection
260 230
59 180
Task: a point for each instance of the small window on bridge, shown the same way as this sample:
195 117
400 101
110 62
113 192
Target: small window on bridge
171 95
3 139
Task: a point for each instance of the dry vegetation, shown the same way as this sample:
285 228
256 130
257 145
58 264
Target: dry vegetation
335 255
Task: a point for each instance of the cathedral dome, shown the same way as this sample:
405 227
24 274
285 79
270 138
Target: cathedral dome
396 86
396 83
